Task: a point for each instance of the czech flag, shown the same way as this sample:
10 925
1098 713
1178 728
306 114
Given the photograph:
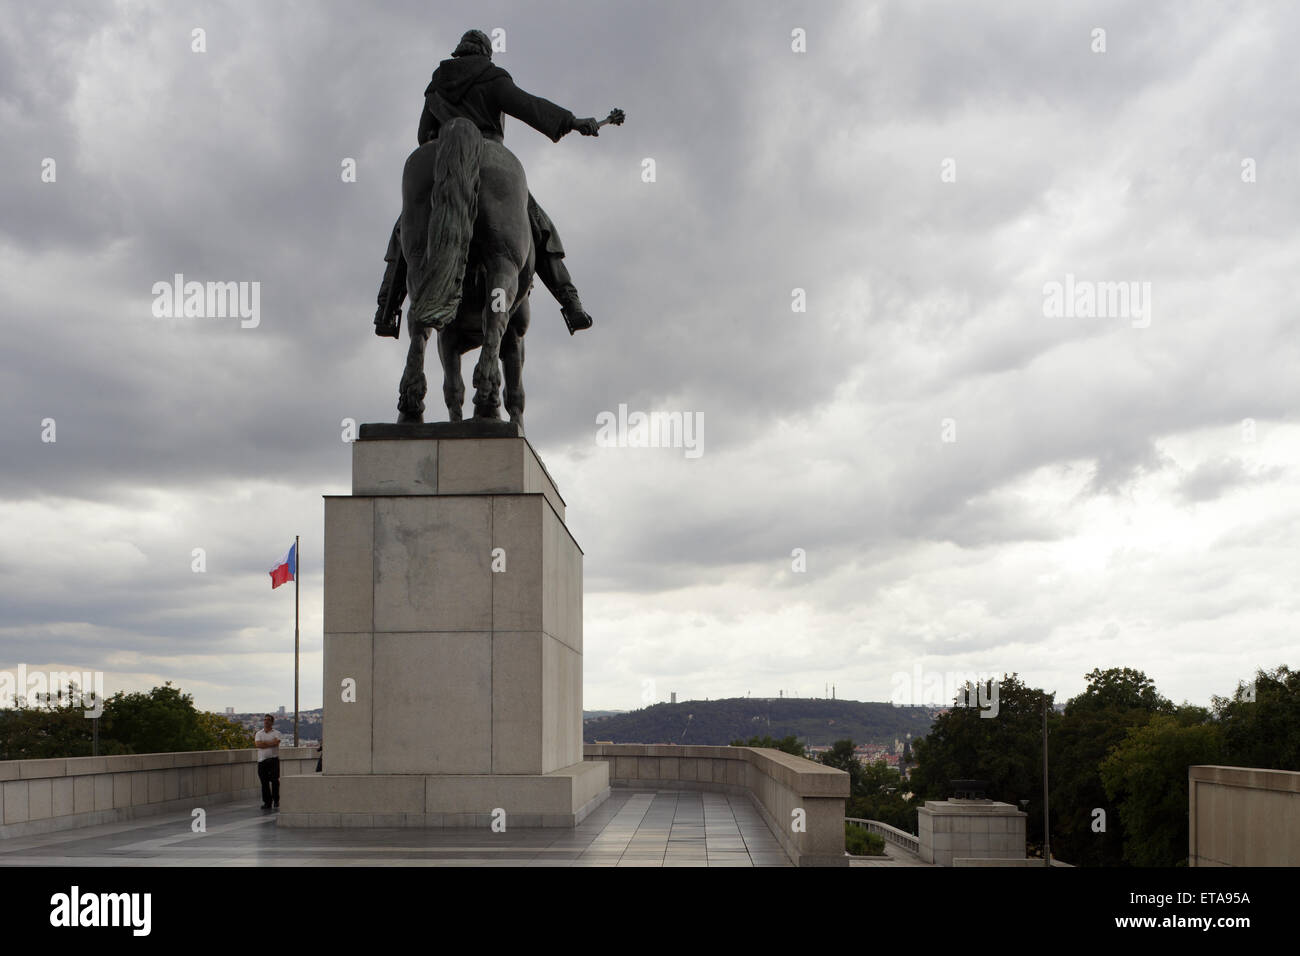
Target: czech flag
285 568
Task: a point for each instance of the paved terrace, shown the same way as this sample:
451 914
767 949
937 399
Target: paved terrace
632 828
668 805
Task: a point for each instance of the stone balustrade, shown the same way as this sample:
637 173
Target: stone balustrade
778 783
900 838
40 796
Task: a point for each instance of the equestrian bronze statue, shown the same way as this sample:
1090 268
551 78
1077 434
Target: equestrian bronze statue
471 237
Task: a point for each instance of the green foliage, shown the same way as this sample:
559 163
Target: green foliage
1117 690
46 727
161 721
859 841
880 795
224 733
841 757
875 790
1146 777
1115 701
1119 746
1264 732
790 744
1006 750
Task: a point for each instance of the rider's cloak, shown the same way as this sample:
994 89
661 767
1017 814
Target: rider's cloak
475 88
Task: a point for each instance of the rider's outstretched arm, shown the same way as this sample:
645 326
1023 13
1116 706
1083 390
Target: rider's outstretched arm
542 115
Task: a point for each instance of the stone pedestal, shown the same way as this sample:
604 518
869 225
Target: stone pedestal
956 829
453 640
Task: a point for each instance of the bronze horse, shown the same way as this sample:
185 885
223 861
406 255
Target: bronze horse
469 256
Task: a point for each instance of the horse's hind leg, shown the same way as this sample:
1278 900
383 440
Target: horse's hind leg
414 386
453 383
512 362
487 373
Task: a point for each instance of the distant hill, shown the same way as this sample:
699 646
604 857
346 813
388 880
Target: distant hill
719 722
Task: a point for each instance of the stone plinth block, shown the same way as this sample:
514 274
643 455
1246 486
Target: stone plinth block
453 634
561 798
970 830
466 465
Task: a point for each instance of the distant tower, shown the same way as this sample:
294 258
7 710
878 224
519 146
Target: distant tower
230 710
282 710
674 697
832 691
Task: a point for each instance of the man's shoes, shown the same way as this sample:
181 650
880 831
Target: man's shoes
276 809
266 806
575 318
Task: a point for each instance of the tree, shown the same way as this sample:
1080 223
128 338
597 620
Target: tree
1005 749
223 733
879 796
1262 729
1146 777
161 721
842 757
875 790
46 726
1115 701
1120 689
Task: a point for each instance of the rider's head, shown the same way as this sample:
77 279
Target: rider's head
474 43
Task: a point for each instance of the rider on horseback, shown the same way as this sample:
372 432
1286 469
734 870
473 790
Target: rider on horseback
469 85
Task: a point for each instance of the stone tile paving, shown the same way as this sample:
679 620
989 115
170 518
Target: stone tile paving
632 828
894 856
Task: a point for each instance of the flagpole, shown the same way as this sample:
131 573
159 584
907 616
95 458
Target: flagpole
297 573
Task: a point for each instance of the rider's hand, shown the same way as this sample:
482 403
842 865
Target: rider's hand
588 126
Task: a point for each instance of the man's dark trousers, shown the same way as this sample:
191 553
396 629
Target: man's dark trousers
268 771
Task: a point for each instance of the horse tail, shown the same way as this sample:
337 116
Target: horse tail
454 206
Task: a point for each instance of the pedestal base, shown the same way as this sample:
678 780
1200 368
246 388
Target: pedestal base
957 829
561 798
453 639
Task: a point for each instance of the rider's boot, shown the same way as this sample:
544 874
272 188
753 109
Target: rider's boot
575 317
392 290
550 268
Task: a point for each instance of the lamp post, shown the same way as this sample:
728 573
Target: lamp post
1047 832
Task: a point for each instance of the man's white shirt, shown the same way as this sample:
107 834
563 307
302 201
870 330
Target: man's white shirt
266 753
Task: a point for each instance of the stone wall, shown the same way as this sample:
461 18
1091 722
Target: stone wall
40 796
778 783
1240 816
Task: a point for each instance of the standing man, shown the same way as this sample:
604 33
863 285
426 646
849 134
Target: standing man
267 741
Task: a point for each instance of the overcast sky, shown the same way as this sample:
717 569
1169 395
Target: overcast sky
976 486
